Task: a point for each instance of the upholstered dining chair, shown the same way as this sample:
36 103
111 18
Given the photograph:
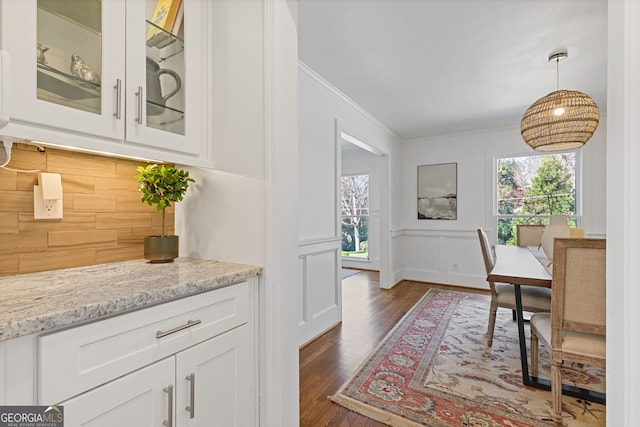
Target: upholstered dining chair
575 329
534 299
529 234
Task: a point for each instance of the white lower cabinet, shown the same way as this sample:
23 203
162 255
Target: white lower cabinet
185 363
206 385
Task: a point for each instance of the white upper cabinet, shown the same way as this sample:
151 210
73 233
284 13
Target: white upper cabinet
104 73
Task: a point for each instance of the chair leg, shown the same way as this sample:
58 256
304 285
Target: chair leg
514 315
534 354
492 322
556 392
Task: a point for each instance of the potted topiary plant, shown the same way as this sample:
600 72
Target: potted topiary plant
162 185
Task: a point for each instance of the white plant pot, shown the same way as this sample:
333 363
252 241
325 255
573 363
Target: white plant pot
558 227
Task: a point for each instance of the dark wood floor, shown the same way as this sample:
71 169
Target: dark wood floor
326 363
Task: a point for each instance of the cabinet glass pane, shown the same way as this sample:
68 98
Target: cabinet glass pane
165 64
69 53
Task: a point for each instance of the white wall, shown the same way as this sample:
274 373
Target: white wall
324 114
323 110
447 251
222 215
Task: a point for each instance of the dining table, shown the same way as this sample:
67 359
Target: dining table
529 266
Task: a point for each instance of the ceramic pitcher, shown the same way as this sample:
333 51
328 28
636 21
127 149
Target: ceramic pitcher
154 89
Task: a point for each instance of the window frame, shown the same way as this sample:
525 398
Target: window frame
578 185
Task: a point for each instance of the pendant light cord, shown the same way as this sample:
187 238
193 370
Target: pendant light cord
561 54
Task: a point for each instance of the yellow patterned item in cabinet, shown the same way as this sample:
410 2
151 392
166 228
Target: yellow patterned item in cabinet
164 17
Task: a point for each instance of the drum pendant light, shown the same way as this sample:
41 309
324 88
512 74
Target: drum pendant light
561 120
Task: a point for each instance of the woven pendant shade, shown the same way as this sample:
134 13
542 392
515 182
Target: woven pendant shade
545 130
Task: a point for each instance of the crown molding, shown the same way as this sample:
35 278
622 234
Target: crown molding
318 78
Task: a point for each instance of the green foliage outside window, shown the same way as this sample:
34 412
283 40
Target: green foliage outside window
531 188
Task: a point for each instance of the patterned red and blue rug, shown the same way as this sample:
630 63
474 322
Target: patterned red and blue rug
434 369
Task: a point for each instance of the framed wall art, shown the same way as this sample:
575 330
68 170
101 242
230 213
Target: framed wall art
438 191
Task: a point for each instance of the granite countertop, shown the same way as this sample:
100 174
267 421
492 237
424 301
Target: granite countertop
37 302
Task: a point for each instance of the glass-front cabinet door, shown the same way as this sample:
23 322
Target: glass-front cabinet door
67 57
165 65
164 73
69 54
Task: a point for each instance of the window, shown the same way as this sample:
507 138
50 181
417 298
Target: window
531 188
354 209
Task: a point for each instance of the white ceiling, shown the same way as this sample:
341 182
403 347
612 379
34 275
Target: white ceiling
432 67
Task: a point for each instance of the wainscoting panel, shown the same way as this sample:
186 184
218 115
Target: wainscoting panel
321 287
449 257
422 253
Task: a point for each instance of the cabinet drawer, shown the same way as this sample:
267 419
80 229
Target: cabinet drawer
77 359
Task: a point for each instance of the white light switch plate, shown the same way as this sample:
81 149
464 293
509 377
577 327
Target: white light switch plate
45 209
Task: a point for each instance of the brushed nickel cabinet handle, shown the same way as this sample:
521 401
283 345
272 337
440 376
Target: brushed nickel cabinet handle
118 88
192 395
189 324
169 391
139 109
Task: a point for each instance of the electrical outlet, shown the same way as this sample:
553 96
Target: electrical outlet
45 209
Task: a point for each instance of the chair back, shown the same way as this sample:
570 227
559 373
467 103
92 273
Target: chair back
488 254
529 234
578 291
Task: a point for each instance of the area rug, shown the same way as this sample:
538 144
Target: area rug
434 369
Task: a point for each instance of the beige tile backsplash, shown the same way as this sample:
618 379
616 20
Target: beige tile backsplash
103 217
